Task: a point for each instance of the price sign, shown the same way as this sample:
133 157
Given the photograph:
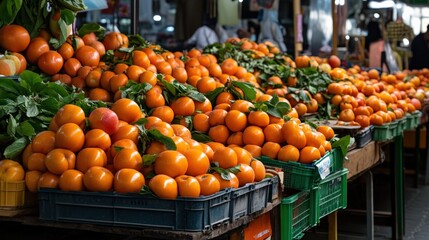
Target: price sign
323 168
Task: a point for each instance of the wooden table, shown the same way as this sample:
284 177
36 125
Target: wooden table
362 159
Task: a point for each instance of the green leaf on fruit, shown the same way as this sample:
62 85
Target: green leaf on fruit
247 88
91 28
148 159
235 169
212 95
155 134
200 137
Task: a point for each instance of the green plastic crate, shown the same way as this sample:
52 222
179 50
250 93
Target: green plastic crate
332 193
416 118
304 176
382 133
402 124
409 119
394 128
297 214
413 120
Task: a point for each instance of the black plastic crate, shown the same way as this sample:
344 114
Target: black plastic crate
364 136
250 198
274 192
134 210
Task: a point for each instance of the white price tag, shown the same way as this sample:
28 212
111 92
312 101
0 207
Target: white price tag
323 168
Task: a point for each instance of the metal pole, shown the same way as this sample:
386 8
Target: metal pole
369 206
334 28
296 12
134 15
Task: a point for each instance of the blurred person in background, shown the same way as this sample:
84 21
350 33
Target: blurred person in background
374 43
271 30
211 32
374 33
420 50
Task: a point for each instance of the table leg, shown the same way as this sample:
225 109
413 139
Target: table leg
398 188
369 206
417 154
427 153
333 227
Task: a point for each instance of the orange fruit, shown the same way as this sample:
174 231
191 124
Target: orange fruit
309 154
236 121
232 183
288 153
259 169
347 115
296 137
271 149
171 163
258 118
198 162
14 38
128 180
209 184
253 135
188 186
229 66
70 136
219 133
327 131
245 175
71 180
164 186
255 150
226 157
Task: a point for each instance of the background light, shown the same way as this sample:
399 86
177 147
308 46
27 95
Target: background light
170 29
384 4
157 18
406 42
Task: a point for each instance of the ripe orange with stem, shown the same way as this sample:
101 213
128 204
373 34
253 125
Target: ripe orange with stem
226 157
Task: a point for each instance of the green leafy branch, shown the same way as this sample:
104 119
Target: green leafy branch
149 135
225 174
175 90
27 106
136 92
273 107
312 79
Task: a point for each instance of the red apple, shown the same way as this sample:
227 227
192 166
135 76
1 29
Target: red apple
334 61
104 119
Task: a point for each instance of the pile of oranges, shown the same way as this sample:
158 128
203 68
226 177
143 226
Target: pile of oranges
104 155
370 98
